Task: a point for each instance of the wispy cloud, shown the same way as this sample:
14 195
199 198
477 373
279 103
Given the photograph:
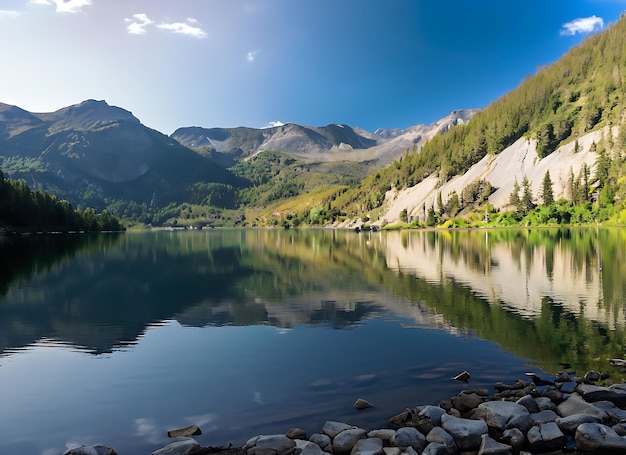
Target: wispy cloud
65 6
184 28
252 55
138 23
274 124
582 25
8 14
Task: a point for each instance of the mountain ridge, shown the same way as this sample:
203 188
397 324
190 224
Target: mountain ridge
333 142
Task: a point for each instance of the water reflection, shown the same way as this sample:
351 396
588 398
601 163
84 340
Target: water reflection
550 295
252 331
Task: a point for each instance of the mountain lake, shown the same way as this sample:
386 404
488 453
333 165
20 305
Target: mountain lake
118 338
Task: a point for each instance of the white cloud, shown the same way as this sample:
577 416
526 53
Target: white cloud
137 25
65 6
184 28
252 55
8 14
274 124
582 25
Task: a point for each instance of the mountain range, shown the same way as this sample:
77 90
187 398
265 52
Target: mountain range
565 124
92 153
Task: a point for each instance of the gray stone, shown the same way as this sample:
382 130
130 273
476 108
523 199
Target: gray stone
278 442
584 389
489 446
384 434
96 449
193 430
598 438
368 446
308 448
183 447
568 387
392 450
432 413
616 414
402 418
618 387
576 405
322 440
435 449
463 376
409 451
250 442
620 428
545 403
561 376
545 437
529 403
263 451
409 437
501 415
615 397
440 436
555 395
466 432
361 404
544 417
592 376
466 401
347 439
332 428
570 423
296 433
515 438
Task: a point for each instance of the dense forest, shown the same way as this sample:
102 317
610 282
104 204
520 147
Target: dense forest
23 210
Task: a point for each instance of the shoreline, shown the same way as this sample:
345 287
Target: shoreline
565 414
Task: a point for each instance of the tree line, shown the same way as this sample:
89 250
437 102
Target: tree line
24 210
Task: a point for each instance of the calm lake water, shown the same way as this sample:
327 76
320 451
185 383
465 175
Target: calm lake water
119 338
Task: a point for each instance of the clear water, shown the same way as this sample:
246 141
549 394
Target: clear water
120 338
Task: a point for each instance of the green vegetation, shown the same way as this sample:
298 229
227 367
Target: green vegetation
583 91
26 211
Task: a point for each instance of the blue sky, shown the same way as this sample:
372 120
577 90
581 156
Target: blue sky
367 63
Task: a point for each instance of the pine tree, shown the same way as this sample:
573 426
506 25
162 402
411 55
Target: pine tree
547 193
526 203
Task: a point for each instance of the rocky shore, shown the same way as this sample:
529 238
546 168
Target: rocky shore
561 415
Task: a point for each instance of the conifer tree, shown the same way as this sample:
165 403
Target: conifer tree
526 203
547 193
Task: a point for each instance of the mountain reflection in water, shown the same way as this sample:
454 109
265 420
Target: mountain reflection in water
259 329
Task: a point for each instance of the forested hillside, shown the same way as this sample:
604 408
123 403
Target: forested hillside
23 210
582 92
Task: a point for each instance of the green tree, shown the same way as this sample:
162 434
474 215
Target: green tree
547 193
526 202
404 216
431 218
